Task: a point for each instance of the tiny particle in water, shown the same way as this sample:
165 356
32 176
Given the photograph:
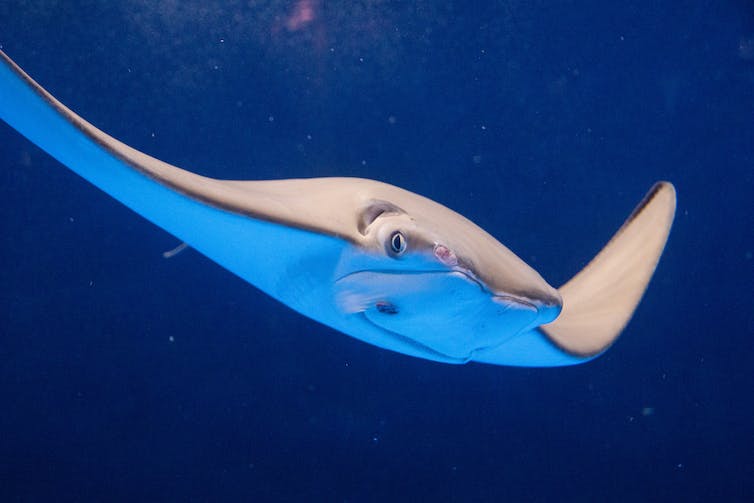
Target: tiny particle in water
271 118
647 411
392 119
746 48
171 338
70 219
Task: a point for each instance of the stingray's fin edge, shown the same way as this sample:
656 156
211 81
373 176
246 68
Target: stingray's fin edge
531 348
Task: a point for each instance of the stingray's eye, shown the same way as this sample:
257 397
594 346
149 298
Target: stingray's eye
397 243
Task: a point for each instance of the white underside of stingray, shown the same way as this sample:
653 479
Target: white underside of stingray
369 259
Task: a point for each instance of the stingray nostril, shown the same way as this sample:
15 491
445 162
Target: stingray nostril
387 307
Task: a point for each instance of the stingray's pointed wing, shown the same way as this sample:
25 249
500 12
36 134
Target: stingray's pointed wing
252 228
599 301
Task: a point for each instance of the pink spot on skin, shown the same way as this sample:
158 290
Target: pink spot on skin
446 255
303 14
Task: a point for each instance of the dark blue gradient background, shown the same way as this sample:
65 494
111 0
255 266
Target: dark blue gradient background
544 122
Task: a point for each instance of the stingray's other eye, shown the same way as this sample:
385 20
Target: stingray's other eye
397 243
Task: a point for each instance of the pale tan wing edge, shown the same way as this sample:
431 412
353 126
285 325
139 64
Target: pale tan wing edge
599 301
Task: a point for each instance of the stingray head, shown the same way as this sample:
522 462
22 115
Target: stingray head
442 283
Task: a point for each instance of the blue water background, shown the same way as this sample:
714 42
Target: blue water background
128 377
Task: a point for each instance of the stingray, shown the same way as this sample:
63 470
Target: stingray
371 260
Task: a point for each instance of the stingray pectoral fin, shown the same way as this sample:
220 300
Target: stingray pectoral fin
251 228
599 301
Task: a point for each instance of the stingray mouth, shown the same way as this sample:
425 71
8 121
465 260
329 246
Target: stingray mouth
506 301
389 291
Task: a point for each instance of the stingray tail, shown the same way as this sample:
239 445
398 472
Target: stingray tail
599 301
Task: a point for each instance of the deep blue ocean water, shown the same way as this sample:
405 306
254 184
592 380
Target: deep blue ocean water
128 377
